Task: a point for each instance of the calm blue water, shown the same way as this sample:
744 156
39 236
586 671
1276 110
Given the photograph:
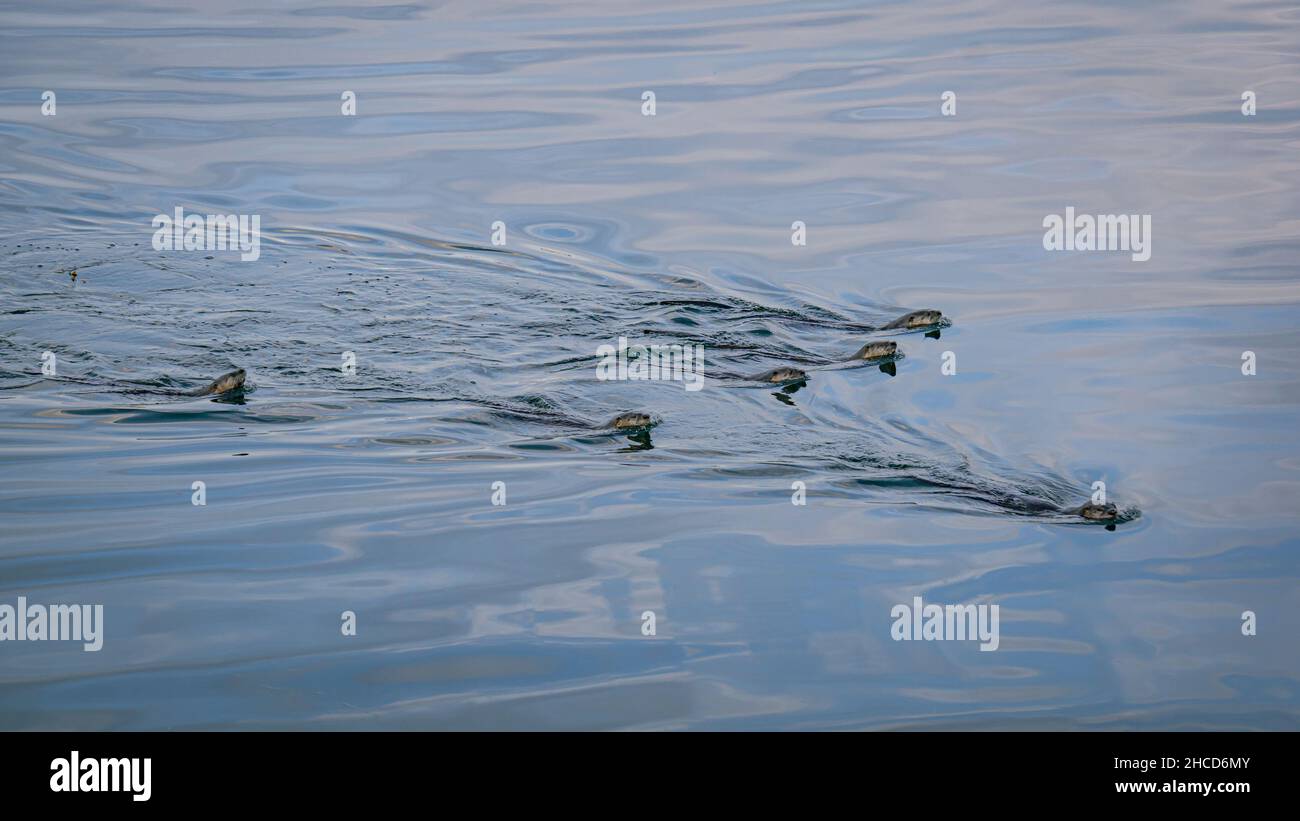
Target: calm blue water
476 364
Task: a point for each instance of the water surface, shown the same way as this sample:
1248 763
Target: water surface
476 364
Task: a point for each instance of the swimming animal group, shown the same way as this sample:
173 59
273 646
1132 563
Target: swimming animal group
874 351
639 422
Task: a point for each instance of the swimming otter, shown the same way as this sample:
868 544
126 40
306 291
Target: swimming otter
780 375
923 318
1094 512
876 350
631 420
225 383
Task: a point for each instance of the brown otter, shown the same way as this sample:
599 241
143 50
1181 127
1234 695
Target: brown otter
923 318
632 420
225 383
876 350
781 375
1095 512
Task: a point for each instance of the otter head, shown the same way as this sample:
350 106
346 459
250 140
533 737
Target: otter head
1099 513
876 350
631 420
785 375
923 318
227 382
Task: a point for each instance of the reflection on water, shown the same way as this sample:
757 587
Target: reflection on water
462 492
